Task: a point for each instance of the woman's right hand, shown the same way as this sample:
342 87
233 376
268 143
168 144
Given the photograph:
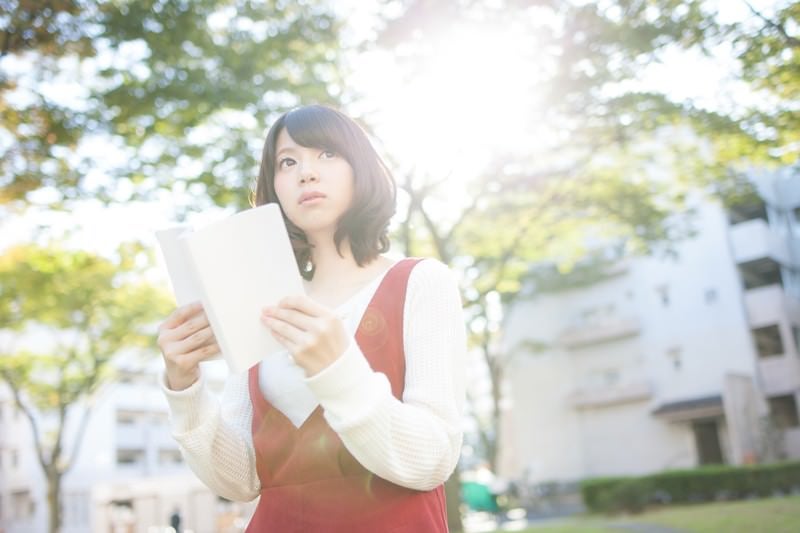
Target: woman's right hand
185 339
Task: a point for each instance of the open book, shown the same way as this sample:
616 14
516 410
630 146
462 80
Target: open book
236 267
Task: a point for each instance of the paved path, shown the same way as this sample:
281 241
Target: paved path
644 528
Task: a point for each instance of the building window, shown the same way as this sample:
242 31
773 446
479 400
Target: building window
751 208
121 516
760 273
14 458
602 378
170 457
76 508
663 293
711 296
784 411
796 335
130 457
22 505
674 355
768 341
129 418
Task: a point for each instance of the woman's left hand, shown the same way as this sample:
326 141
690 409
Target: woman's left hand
311 332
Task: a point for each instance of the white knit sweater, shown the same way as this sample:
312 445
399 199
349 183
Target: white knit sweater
414 442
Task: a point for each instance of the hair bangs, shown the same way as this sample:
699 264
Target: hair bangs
320 127
365 224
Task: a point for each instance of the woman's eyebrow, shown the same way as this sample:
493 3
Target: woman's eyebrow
284 149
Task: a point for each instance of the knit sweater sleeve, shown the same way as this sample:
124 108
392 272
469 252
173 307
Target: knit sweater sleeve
415 442
215 436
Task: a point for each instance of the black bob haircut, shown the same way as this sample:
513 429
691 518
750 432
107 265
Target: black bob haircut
366 222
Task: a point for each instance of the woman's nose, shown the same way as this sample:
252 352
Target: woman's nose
308 175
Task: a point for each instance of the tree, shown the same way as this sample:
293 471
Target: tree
543 220
590 182
94 308
768 50
180 91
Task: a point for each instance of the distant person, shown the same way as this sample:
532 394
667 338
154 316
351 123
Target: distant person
379 343
175 521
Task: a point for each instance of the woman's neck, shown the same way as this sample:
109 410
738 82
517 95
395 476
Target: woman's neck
337 277
330 265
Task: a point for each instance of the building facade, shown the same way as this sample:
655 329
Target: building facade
128 476
665 362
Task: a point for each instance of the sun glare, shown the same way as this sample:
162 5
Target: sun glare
472 96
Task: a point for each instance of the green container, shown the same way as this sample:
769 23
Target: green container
478 497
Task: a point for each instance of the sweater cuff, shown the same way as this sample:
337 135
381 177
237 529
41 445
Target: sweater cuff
189 407
348 389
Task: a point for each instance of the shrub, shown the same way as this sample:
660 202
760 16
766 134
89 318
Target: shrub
709 483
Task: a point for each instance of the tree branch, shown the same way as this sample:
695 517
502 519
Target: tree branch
438 240
62 415
794 42
76 445
37 441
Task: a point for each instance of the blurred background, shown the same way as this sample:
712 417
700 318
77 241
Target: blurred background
615 184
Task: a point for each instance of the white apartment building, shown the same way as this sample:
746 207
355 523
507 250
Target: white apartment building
665 363
129 475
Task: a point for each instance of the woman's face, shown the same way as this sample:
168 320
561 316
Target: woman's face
314 186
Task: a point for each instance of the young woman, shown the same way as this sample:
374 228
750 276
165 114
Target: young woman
380 343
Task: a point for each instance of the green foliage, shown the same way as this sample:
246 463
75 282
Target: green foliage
606 175
84 310
630 496
185 88
92 307
704 484
769 54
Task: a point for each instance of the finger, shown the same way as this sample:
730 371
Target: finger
283 341
195 340
186 329
292 334
181 314
298 319
203 353
191 326
305 305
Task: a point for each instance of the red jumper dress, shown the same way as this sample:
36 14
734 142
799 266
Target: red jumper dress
310 483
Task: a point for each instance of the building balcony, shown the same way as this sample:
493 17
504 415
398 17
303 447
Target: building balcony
753 240
598 331
634 391
779 375
765 305
760 273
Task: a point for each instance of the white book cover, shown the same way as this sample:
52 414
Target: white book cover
236 267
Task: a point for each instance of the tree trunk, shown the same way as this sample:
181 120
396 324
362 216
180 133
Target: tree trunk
54 500
494 449
452 492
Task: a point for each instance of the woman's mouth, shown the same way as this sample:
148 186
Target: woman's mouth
311 197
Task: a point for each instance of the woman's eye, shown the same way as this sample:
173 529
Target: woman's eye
285 162
327 154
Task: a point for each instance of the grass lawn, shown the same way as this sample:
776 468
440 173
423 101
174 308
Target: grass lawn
574 526
772 515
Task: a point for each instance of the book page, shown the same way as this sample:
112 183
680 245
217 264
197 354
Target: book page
179 267
244 263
